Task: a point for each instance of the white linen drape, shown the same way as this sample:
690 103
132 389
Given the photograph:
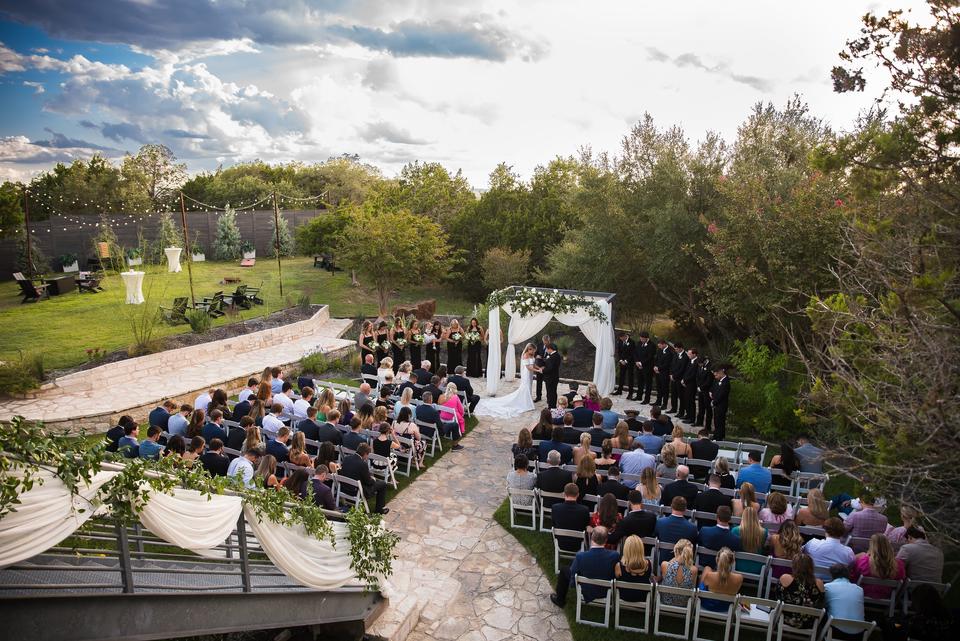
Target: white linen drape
521 328
600 334
47 514
493 351
189 519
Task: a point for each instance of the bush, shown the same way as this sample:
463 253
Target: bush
40 263
286 238
502 268
319 234
304 302
20 376
199 320
314 363
764 396
564 343
227 241
143 320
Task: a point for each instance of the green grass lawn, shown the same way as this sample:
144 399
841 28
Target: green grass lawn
64 327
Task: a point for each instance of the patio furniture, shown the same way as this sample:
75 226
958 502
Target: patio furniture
89 282
213 305
133 282
177 313
31 292
60 284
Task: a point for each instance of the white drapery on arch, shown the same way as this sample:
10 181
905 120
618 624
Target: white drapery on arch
522 328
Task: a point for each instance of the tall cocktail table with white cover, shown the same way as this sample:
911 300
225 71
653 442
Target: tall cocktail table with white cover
133 281
173 258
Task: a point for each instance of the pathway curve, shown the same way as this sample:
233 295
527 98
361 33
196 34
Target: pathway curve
473 580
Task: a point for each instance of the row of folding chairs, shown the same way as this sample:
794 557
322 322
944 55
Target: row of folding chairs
640 601
375 388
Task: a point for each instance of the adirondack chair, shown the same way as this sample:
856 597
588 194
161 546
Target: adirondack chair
90 283
239 298
31 292
176 313
213 305
253 294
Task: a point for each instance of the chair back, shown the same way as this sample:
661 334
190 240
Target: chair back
786 630
864 627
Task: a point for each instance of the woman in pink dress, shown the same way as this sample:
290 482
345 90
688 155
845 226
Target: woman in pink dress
451 411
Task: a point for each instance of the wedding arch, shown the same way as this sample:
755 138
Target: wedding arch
531 308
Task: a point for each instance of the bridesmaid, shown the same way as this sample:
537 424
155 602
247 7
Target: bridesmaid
474 365
415 341
454 341
382 336
397 334
431 340
365 340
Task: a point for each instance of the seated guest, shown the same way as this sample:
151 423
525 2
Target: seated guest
117 432
556 443
368 368
434 387
879 562
524 446
301 405
214 461
406 396
284 397
583 449
128 445
309 426
353 439
402 375
355 466
680 446
328 430
410 384
322 494
721 467
816 511
679 572
276 380
610 418
272 422
634 424
898 535
423 373
462 384
296 482
612 484
243 466
829 550
151 448
325 402
218 402
638 521
866 521
606 458
385 371
594 563
384 446
197 420
786 461
214 427
607 515
404 426
328 456
558 412
621 436
203 400
844 601
384 399
543 428
249 390
520 478
177 423
258 411
582 417
298 451
801 587
571 435
667 469
346 411
159 416
651 444
597 432
195 449
809 456
753 540
680 487
586 476
634 567
452 415
746 498
241 409
723 580
426 412
634 462
923 560
570 515
702 449
176 447
649 487
755 474
251 435
278 449
552 479
675 526
711 499
660 423
363 396
785 543
267 471
715 537
777 509
592 399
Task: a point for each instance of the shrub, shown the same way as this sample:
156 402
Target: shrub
143 321
199 320
564 343
286 238
502 268
314 363
304 302
19 376
227 242
764 395
40 262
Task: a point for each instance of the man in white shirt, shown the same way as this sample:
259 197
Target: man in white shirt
251 390
825 552
272 422
302 404
203 401
243 466
178 422
283 397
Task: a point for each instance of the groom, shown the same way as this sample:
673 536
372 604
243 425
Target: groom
551 374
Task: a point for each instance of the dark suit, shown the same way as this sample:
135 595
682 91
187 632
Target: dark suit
215 464
423 376
211 431
552 479
645 354
404 385
705 450
280 452
616 488
639 522
595 563
323 495
671 529
463 385
566 452
684 488
539 357
689 389
240 410
663 363
708 501
159 417
582 417
369 370
428 414
328 432
714 537
551 377
597 435
357 469
720 397
677 368
662 426
625 349
235 438
352 440
113 436
570 515
704 383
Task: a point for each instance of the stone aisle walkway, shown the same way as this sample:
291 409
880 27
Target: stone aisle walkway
471 578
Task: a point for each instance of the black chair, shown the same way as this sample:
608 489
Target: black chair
31 291
239 298
213 305
89 283
252 294
176 313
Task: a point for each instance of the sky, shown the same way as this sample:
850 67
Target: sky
466 84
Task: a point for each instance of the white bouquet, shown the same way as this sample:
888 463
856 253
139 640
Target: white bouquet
474 337
417 338
401 342
456 337
385 345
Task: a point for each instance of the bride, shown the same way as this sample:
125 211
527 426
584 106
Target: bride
521 400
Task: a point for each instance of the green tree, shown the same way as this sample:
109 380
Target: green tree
503 267
286 246
168 234
392 249
11 208
154 172
428 189
227 242
320 234
38 264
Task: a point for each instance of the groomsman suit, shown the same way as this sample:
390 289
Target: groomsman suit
663 363
677 368
644 355
704 383
625 361
720 396
540 356
689 384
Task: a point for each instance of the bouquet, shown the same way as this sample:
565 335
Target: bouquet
417 338
385 345
456 337
474 337
401 342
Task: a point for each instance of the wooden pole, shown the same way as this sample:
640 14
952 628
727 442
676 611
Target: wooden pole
276 226
186 248
26 225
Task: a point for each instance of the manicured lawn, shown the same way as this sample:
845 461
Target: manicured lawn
64 327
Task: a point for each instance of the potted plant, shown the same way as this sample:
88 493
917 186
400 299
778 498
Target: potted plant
196 251
134 257
248 249
68 262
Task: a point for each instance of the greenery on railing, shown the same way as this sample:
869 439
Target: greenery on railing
371 546
527 301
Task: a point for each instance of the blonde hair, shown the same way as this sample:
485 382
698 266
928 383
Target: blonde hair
586 468
669 456
725 563
721 466
451 389
748 496
380 414
386 362
790 539
563 401
621 434
751 532
683 552
529 347
817 505
585 441
298 445
677 432
252 438
406 396
328 400
406 366
593 393
883 560
635 555
648 478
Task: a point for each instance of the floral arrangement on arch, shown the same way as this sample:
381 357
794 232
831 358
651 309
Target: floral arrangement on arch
528 301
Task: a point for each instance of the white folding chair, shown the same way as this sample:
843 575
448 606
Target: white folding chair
546 510
381 467
518 499
623 589
755 578
683 612
430 432
760 615
574 536
407 454
353 496
723 618
803 634
772 580
889 605
866 627
598 602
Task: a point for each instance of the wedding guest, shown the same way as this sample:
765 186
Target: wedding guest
675 526
556 443
606 459
612 484
196 448
266 471
322 494
543 428
595 563
302 404
276 379
214 428
753 539
328 456
177 423
251 438
816 511
524 446
702 449
715 537
681 487
346 413
213 460
667 469
634 462
197 420
405 426
721 467
583 449
922 559
610 418
746 498
809 455
606 515
801 587
724 580
660 423
249 391
117 432
634 567
582 416
463 385
151 448
830 549
243 465
592 399
711 499
451 413
621 436
777 509
679 572
403 373
878 562
405 400
202 401
385 369
557 413
844 601
785 543
898 535
520 478
160 415
297 454
355 466
272 421
176 447
586 477
866 521
754 473
218 402
649 488
651 443
786 461
296 483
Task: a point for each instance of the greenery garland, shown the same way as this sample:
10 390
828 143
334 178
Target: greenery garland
27 449
528 301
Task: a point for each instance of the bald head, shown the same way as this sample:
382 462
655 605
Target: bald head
682 472
365 388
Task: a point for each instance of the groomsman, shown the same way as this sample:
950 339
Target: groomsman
661 367
625 361
704 383
688 384
720 397
541 357
677 368
644 357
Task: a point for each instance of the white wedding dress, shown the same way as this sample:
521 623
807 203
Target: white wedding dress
515 404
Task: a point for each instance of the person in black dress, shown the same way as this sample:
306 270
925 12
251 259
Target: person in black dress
365 340
382 337
414 341
474 365
398 343
454 341
432 344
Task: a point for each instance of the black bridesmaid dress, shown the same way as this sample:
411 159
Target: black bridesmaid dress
399 353
433 355
381 353
368 341
454 353
474 364
415 354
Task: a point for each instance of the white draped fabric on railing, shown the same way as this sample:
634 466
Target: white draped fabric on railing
523 328
48 514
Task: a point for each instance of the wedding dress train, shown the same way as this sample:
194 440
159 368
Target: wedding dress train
520 401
